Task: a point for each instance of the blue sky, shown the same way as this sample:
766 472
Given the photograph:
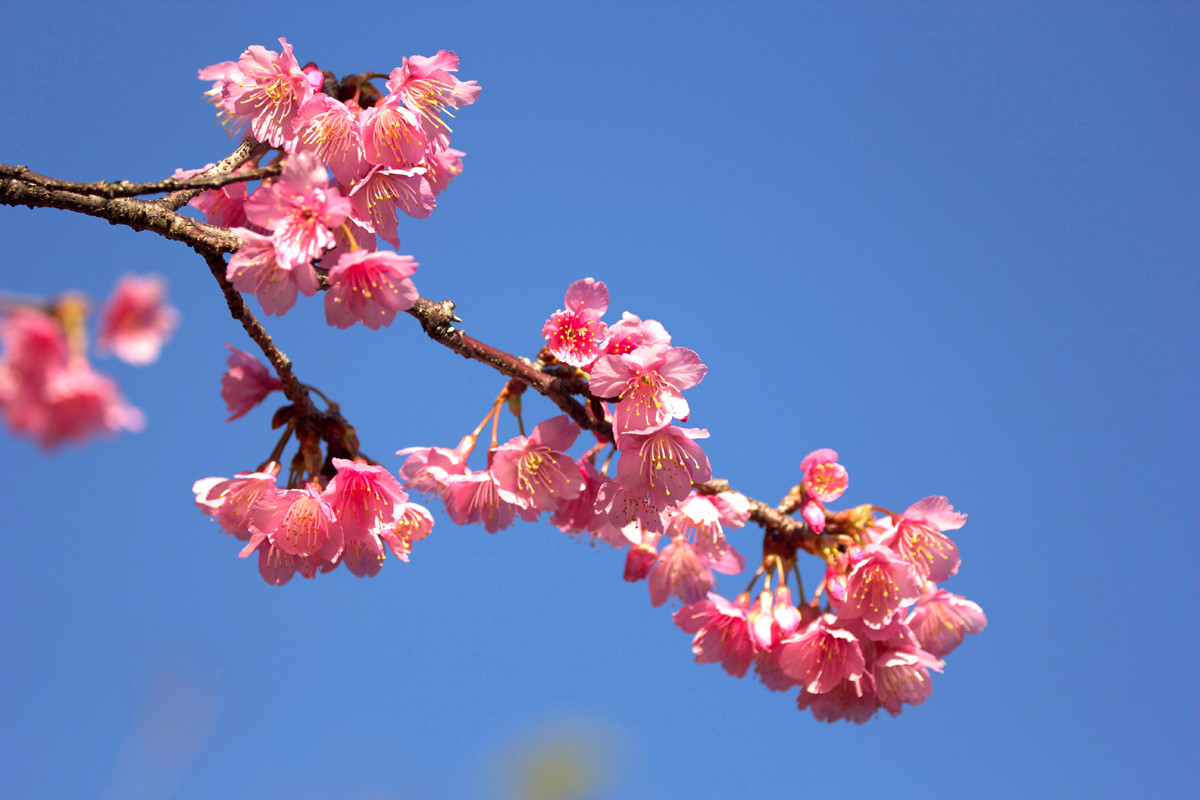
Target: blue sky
954 242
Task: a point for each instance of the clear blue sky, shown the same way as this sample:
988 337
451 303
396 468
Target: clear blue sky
956 243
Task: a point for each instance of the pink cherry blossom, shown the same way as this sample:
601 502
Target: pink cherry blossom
392 135
534 473
474 498
246 383
941 620
225 206
639 561
428 469
266 92
902 677
442 167
35 349
300 208
331 131
362 496
661 466
878 586
822 656
81 403
297 521
578 514
699 517
722 633
228 500
410 523
824 478
137 321
254 269
376 197
649 382
918 538
428 88
681 571
574 335
632 332
852 700
369 288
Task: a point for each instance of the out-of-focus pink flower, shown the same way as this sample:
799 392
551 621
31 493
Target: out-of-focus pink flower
246 383
721 632
649 382
228 500
442 167
35 348
369 288
300 208
266 92
641 559
534 472
824 478
633 332
574 335
822 656
81 403
941 620
137 321
255 269
878 586
918 538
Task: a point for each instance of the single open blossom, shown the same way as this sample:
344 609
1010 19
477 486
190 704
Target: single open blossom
852 700
362 496
824 478
300 209
266 92
649 382
534 472
428 469
721 632
474 498
228 500
574 335
376 197
410 523
681 571
427 87
246 383
224 206
633 332
392 135
902 676
369 288
137 321
822 656
918 538
330 129
255 269
442 167
663 464
297 521
878 586
941 620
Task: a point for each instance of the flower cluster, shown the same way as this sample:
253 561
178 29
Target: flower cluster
386 153
49 390
886 624
357 515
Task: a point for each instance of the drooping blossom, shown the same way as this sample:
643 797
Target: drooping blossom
136 320
852 700
822 656
902 677
254 269
699 517
918 538
330 129
534 472
443 166
573 335
300 209
410 523
649 382
681 571
392 135
428 469
297 521
228 500
578 514
878 586
224 206
662 465
474 497
376 197
721 632
369 288
362 496
246 383
941 620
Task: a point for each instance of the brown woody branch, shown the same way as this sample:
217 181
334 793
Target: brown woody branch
114 202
